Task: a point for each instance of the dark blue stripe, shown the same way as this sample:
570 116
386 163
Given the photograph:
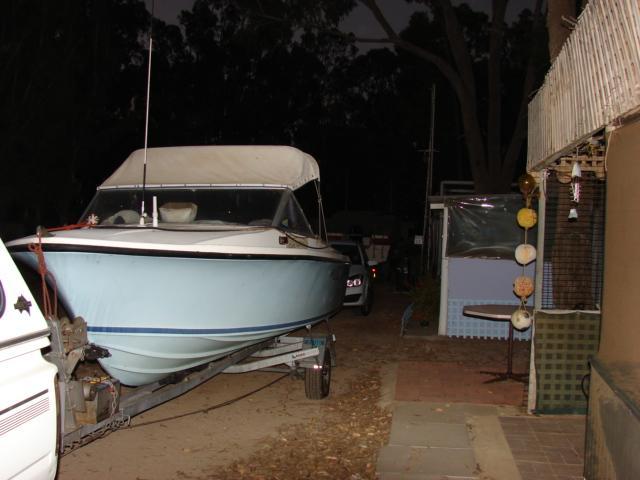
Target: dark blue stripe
203 331
26 400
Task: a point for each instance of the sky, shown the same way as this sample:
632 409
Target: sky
361 22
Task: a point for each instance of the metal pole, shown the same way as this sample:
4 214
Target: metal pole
143 213
426 224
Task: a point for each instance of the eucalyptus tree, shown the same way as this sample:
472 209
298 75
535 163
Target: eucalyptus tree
457 52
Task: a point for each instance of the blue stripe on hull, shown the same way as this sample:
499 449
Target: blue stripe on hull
204 331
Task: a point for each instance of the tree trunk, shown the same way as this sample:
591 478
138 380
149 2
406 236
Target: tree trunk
558 31
494 123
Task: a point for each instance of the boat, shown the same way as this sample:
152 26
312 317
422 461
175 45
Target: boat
225 259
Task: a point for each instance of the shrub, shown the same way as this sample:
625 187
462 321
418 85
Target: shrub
426 298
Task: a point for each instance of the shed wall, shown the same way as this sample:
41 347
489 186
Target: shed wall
620 306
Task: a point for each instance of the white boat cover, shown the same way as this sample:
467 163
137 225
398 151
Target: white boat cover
224 165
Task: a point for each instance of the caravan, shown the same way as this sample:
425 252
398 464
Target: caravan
28 407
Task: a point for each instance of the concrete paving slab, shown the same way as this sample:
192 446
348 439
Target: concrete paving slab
456 462
426 463
435 440
443 435
394 458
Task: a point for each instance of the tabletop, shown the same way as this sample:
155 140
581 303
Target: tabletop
493 312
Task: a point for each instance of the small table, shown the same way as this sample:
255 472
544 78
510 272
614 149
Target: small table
501 313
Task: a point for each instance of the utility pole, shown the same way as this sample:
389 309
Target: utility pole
426 224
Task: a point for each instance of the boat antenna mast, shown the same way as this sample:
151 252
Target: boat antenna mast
143 213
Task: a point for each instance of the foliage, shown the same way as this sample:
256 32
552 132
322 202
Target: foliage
426 297
73 75
66 81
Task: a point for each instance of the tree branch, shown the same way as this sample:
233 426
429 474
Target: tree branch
458 47
392 37
380 18
520 129
494 114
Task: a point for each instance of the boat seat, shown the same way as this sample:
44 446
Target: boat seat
178 212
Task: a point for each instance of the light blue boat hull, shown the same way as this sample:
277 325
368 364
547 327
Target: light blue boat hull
162 314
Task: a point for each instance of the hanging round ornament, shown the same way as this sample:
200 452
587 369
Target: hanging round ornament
521 319
523 286
525 254
527 217
527 184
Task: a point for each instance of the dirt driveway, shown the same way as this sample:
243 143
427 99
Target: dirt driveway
277 433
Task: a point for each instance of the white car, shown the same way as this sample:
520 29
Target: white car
359 288
28 407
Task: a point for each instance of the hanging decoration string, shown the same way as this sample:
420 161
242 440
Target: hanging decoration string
523 285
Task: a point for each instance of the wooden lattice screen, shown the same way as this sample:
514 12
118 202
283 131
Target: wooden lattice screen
564 342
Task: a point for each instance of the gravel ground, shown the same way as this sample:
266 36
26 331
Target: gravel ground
277 433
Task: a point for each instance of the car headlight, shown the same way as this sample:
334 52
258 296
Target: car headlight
354 281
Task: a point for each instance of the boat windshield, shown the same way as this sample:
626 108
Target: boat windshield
201 208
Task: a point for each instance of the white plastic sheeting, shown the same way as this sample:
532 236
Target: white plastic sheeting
485 226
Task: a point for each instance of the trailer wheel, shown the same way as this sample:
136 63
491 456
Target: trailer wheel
317 381
365 308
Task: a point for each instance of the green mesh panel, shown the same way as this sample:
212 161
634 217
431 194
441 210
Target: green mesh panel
564 342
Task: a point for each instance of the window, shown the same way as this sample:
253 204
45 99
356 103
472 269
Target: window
195 206
291 216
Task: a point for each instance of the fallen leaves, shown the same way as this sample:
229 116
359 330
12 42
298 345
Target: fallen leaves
342 444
